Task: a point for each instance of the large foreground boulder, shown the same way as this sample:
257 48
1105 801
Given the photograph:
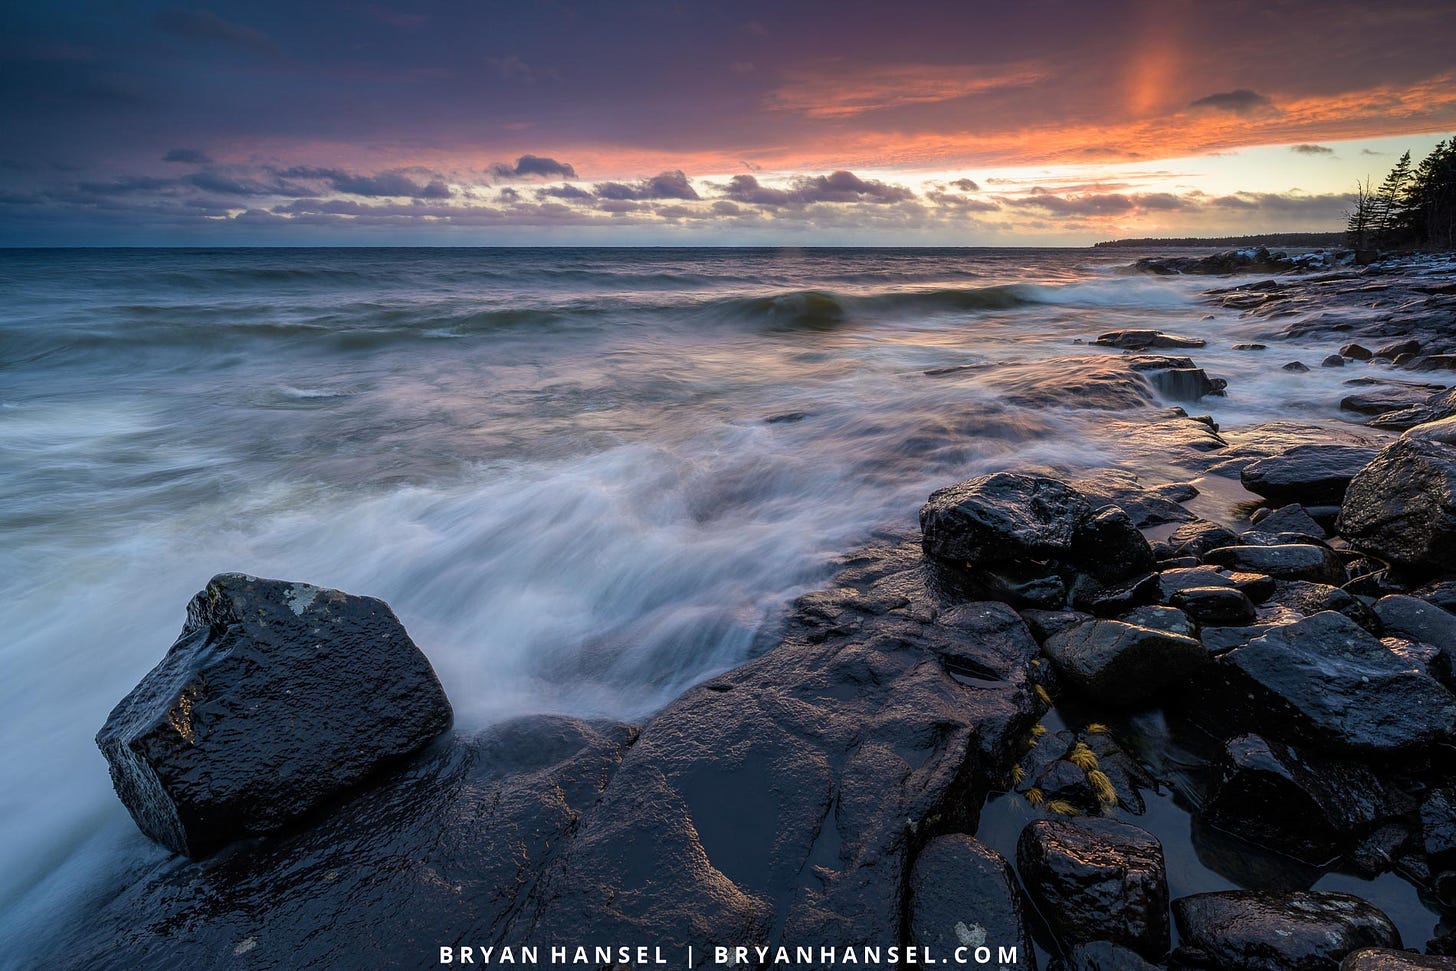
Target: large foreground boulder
1097 879
1402 506
275 698
1247 930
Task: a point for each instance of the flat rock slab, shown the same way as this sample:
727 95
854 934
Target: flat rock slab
446 850
1328 681
1309 474
1097 879
1283 561
275 698
1139 340
1245 930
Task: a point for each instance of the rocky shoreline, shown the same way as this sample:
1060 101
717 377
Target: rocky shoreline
1283 602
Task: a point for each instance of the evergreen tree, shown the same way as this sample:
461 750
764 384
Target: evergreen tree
1390 200
1361 218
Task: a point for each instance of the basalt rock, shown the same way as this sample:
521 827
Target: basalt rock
1120 664
1272 794
1215 606
1097 879
1033 534
1312 598
1200 536
1246 930
1326 681
1310 474
1402 506
1285 561
1140 340
964 894
1292 519
447 849
275 698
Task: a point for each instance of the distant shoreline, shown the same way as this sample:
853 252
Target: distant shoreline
1265 239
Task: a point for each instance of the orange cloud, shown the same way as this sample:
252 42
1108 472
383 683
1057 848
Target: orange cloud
836 94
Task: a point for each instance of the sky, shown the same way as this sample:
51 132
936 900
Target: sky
386 122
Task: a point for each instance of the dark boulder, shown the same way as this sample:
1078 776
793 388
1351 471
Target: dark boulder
1417 620
1438 828
1004 518
1184 578
1356 352
1297 366
1271 794
1145 507
1118 664
1439 430
1333 360
275 698
1402 506
1216 606
1387 959
1101 956
1313 598
1169 619
1310 474
1248 930
1285 561
1328 681
1292 519
1141 340
1030 539
1200 536
964 894
1097 879
1399 349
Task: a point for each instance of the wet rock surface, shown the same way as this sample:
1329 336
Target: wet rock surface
1309 474
1402 506
1097 879
964 894
1251 931
275 698
1121 664
1388 959
1326 680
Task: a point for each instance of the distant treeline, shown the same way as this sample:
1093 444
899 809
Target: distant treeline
1301 240
1414 207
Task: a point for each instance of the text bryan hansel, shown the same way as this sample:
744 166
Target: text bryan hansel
646 956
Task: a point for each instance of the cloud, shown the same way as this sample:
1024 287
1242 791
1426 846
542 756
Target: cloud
533 166
1101 204
667 185
391 183
1311 150
839 186
187 156
966 185
835 93
208 27
1241 101
563 192
951 200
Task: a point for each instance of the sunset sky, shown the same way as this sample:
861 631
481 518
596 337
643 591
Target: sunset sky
843 123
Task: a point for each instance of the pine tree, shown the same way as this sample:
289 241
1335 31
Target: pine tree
1390 201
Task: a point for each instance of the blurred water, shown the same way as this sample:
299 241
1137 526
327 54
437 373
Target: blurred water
582 478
